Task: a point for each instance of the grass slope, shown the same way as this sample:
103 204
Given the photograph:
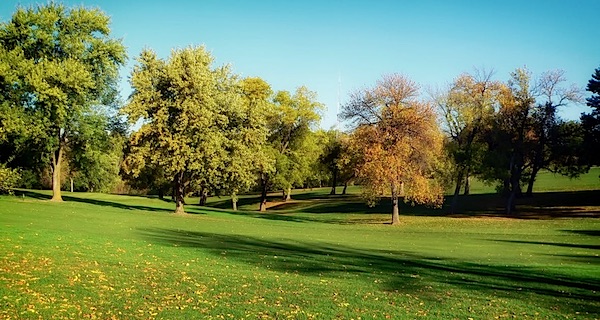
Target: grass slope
121 257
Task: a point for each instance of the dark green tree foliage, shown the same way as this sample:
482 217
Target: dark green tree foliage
591 121
56 64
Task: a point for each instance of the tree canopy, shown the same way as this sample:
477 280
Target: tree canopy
399 140
57 63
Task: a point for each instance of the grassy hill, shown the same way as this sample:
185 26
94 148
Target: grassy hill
317 257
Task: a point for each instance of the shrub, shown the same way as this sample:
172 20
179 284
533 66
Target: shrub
9 178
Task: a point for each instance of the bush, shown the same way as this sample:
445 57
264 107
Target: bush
9 178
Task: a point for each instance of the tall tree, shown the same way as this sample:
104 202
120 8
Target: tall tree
197 127
591 121
246 135
400 141
551 95
64 64
466 108
291 138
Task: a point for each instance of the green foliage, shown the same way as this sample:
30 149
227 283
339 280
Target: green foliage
9 178
56 64
291 137
201 125
591 121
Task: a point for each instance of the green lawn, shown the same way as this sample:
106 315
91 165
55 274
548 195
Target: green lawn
108 256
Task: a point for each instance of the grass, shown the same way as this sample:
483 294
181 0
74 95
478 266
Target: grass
122 257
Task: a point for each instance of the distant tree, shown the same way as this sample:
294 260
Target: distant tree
94 157
291 140
591 121
61 64
331 157
400 142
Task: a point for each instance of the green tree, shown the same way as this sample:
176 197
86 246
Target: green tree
591 121
291 141
95 156
197 127
245 136
550 96
466 108
331 157
400 142
64 63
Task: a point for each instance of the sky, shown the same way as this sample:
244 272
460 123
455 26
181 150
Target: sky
334 47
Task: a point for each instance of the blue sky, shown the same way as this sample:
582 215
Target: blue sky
346 45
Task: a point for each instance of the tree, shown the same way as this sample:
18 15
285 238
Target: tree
95 155
591 121
466 108
290 141
399 139
246 135
197 127
545 120
331 157
63 64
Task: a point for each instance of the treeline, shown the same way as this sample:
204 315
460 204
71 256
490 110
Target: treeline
191 127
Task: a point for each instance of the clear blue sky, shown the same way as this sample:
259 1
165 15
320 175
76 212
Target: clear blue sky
317 43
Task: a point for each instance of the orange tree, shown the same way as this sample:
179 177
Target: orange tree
399 140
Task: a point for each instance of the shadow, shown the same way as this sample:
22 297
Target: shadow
593 233
71 198
395 271
546 205
556 244
589 259
31 194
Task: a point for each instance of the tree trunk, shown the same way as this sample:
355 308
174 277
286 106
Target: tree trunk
515 187
334 184
395 209
234 200
467 184
71 184
56 166
161 194
203 197
345 188
179 194
459 180
531 181
288 195
263 193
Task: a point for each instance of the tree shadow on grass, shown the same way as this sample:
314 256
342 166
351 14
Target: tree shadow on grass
545 205
397 271
556 244
71 198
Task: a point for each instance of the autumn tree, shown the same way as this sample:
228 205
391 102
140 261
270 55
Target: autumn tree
195 121
64 63
400 142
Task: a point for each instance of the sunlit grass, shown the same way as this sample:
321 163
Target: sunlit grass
109 256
